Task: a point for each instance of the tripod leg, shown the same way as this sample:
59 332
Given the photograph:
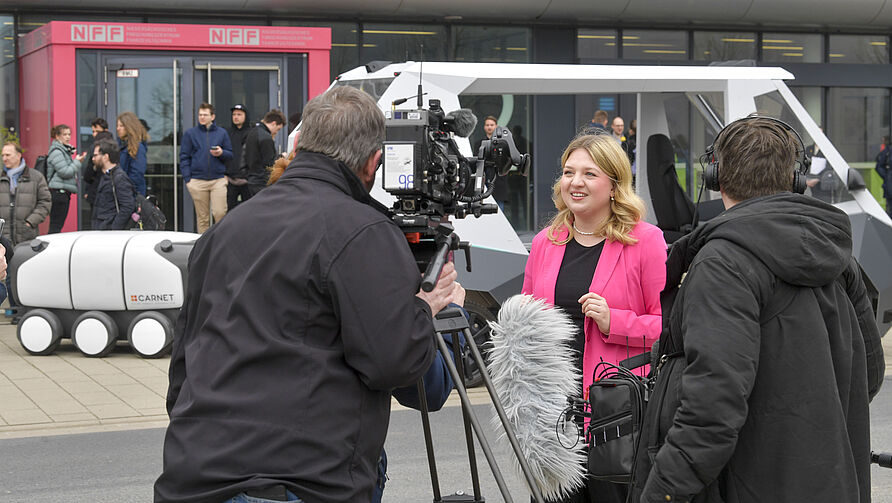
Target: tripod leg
466 405
428 441
472 457
509 431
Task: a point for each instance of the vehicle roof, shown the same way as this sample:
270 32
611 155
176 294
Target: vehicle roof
502 78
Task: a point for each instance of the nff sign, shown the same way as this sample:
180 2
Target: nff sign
97 33
234 36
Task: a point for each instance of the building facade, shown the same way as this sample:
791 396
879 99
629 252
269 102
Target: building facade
839 53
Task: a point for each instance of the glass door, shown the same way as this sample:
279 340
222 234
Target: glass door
257 86
152 89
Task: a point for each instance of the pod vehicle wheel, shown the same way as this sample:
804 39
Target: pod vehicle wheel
479 320
39 332
94 334
150 334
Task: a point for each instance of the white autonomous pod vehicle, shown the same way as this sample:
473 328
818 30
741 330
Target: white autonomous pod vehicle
680 109
98 287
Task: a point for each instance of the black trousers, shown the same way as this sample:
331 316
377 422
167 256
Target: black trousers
236 194
61 200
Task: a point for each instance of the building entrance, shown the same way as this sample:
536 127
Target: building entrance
165 91
76 72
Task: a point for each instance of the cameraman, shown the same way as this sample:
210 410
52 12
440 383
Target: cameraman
779 351
282 371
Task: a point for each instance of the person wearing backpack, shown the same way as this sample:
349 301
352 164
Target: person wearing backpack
132 141
115 201
771 352
61 175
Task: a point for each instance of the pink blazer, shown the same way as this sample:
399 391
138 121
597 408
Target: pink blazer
629 277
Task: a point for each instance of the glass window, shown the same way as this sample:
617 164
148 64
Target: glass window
490 44
821 179
812 98
869 49
655 44
857 119
792 47
344 54
593 45
8 75
28 22
403 42
724 46
513 192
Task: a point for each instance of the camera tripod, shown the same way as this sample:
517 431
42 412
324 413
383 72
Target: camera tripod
452 320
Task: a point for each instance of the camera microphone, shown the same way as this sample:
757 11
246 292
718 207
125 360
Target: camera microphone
533 371
462 122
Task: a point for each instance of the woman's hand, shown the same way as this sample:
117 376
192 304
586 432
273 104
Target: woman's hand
80 157
595 307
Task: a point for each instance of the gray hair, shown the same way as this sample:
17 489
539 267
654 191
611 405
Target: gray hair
343 123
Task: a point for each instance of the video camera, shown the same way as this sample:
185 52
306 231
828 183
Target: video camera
431 180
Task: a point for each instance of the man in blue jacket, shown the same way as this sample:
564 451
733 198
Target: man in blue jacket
205 149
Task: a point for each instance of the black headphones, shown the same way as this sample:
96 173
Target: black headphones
711 168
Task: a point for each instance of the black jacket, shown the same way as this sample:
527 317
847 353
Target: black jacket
115 202
781 357
299 319
260 154
237 138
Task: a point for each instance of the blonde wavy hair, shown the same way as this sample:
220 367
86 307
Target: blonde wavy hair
626 208
135 132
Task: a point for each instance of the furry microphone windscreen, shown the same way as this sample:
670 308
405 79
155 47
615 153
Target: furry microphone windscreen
463 121
532 370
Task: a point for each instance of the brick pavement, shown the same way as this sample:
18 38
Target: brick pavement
67 392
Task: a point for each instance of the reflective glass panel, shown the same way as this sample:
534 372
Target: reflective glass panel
793 47
867 49
724 46
655 44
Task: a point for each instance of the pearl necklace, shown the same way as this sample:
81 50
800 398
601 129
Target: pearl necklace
580 232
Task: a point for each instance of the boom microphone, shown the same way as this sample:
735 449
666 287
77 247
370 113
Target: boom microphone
461 122
532 370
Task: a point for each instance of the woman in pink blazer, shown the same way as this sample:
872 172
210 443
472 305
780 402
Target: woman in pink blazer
601 263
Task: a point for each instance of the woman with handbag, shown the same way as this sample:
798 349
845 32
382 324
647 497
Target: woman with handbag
602 264
132 138
61 175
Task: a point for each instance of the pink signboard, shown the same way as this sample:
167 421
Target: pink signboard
180 37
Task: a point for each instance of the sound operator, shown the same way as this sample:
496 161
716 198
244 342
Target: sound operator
302 314
776 350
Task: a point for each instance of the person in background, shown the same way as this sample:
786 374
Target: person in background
489 126
618 127
630 145
602 263
260 150
599 121
98 125
61 174
884 169
205 149
25 199
25 202
236 177
114 197
90 172
133 138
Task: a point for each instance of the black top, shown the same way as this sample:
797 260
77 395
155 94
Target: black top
573 281
776 326
282 373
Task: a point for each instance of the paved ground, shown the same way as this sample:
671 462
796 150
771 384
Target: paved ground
67 392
